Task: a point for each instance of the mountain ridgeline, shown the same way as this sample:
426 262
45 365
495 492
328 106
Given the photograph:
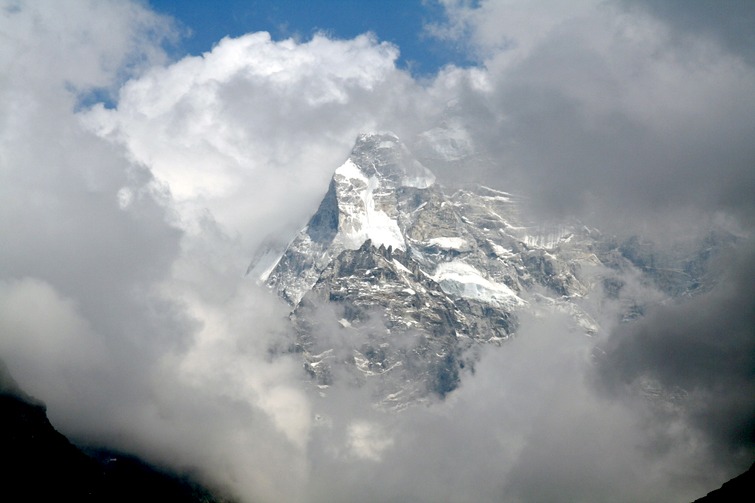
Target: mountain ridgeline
40 464
415 276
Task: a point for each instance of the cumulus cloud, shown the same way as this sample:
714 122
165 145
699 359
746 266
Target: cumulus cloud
251 130
608 111
126 232
505 29
727 22
528 426
700 353
106 302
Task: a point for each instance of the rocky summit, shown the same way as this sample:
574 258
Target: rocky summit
396 279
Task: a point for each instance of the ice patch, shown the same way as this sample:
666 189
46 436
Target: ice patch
450 243
401 266
351 171
463 280
500 251
361 222
263 264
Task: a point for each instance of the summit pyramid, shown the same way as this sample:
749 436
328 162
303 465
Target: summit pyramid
415 276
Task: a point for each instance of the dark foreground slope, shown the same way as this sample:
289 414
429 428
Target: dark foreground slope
40 464
739 489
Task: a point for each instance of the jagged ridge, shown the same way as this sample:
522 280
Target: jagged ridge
435 271
417 274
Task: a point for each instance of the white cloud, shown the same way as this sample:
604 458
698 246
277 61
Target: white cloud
252 130
606 111
367 441
85 44
506 30
126 233
134 333
45 346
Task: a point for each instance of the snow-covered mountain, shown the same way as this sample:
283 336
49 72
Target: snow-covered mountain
396 279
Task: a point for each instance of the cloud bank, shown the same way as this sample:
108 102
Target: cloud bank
126 232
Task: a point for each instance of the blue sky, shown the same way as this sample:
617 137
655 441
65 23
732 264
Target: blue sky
400 22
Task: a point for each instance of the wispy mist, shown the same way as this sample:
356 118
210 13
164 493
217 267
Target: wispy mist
126 232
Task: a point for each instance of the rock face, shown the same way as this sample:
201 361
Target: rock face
413 276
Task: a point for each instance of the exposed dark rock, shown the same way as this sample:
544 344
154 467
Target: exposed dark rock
740 489
323 225
40 464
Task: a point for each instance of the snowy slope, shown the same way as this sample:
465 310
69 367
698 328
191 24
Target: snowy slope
416 274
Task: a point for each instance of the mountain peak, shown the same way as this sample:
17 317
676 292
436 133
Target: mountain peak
361 203
417 275
383 156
